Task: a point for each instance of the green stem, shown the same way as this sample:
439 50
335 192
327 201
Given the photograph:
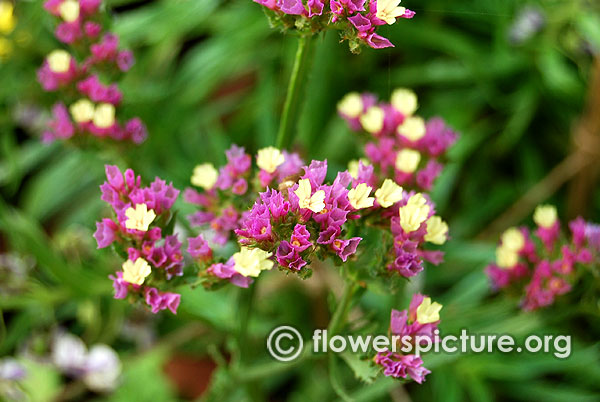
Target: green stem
293 100
341 311
245 303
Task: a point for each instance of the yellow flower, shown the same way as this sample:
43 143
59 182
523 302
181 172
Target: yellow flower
545 216
351 105
104 115
414 213
513 239
205 176
82 111
269 159
139 218
359 197
353 166
405 101
388 194
250 262
407 160
412 128
305 200
7 18
69 10
136 272
372 120
428 312
437 230
388 10
59 61
506 257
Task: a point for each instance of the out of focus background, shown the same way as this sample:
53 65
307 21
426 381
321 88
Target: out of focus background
519 80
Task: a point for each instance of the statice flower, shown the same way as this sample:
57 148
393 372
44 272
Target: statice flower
224 197
541 265
421 319
400 144
356 19
140 233
86 105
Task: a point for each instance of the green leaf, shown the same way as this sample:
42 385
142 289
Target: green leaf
364 370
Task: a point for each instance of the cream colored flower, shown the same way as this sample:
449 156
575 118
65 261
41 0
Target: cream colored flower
69 10
59 61
136 272
428 312
389 10
545 216
139 218
437 230
314 202
506 257
405 101
269 159
7 17
205 176
513 239
412 128
351 105
251 261
82 111
359 197
414 213
407 160
388 194
104 115
372 120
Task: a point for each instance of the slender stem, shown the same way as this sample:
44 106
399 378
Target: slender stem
341 311
246 300
293 100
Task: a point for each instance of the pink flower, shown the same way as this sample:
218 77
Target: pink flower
161 300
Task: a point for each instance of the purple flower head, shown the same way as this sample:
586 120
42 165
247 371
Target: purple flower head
288 257
345 248
378 42
300 239
577 227
105 232
400 366
136 131
161 300
292 7
60 126
89 7
92 29
227 271
315 172
291 166
406 263
125 60
315 7
121 287
199 248
68 32
427 175
239 187
438 137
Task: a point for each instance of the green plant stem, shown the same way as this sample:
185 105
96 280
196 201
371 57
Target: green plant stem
335 325
341 311
295 94
245 303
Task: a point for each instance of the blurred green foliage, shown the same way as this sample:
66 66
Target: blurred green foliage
210 73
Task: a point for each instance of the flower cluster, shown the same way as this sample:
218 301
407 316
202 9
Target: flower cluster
401 144
88 105
541 264
226 196
7 25
356 19
421 319
140 234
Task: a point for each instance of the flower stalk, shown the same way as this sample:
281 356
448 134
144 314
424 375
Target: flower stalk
295 93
